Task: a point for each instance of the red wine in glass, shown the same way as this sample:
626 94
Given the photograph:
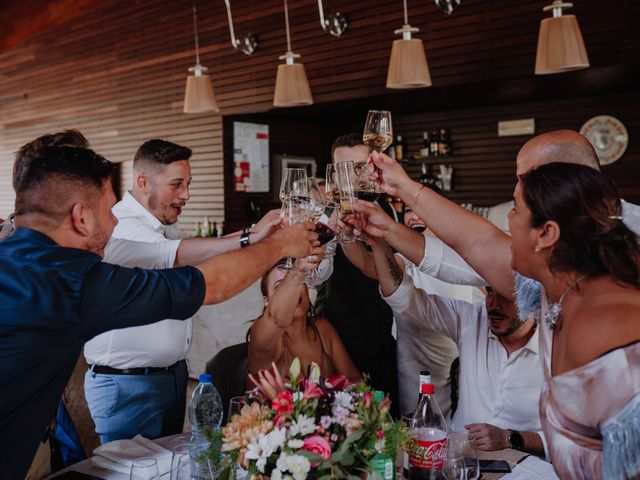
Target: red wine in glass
367 195
325 234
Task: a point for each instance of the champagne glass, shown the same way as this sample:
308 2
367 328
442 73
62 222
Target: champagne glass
346 181
144 468
235 406
332 193
297 210
309 188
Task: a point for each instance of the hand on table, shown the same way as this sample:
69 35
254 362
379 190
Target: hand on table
488 437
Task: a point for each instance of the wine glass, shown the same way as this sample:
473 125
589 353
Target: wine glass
289 177
296 210
309 188
183 472
145 467
378 133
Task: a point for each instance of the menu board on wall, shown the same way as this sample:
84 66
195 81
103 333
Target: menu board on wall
251 157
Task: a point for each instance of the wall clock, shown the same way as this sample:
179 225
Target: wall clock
608 136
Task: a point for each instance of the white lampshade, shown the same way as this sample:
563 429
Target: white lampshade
292 87
199 96
560 44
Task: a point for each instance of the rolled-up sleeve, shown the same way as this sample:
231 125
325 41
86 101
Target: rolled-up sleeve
444 263
133 253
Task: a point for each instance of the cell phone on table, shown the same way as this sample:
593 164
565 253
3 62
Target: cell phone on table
494 466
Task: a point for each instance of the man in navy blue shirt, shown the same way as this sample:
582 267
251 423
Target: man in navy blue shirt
55 293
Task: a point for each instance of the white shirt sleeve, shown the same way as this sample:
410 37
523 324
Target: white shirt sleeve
441 314
444 263
325 269
130 253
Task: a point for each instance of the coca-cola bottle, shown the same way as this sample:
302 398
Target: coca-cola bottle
428 433
425 377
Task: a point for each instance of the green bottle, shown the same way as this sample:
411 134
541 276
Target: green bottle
382 463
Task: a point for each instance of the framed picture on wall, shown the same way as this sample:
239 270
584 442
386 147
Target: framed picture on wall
281 162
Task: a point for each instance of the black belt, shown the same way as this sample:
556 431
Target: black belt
132 371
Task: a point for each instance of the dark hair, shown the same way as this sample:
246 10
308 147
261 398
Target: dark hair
161 152
349 140
67 138
593 239
54 177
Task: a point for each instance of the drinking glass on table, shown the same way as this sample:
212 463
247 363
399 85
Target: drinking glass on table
177 452
144 468
460 446
235 406
183 471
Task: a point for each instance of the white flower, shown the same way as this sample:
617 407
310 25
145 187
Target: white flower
303 425
344 400
325 421
281 463
340 415
266 446
379 446
276 474
295 443
299 466
297 396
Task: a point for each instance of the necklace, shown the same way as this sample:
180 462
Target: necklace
555 309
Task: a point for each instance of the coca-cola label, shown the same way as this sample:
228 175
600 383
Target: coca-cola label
427 454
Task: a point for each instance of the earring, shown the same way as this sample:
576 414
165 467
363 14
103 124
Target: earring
537 250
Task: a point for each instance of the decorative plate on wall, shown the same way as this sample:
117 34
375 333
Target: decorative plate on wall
608 136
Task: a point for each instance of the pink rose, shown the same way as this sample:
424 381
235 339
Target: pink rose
318 445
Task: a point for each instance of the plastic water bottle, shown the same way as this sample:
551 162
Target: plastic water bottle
428 432
205 410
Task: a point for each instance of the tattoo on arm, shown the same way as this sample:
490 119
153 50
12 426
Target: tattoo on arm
394 270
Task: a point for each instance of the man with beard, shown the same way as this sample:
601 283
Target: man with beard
137 380
56 293
419 347
500 372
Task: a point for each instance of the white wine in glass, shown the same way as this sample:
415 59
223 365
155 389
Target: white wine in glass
378 132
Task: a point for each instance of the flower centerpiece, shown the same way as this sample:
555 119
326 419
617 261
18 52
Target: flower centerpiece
308 428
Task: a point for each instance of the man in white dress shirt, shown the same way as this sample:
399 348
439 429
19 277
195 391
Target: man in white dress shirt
137 379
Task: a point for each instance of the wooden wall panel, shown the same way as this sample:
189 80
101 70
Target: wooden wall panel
116 70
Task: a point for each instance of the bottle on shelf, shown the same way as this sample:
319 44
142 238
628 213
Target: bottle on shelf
426 178
382 463
205 227
401 149
391 151
198 232
428 435
213 230
444 148
425 146
434 147
205 411
425 377
220 230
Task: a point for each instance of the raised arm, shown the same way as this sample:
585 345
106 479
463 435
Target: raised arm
196 250
389 268
484 246
276 318
228 274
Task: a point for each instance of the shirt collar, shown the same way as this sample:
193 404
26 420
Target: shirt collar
130 202
532 345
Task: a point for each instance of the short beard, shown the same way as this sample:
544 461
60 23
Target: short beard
512 328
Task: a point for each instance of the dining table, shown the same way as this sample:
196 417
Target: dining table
511 456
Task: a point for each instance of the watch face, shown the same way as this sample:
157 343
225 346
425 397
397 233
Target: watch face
608 136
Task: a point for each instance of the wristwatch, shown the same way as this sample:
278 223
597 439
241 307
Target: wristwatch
244 238
515 439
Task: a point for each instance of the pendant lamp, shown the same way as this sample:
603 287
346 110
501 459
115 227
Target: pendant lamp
292 86
560 44
408 63
198 95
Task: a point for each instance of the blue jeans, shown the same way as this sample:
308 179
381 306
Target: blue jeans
123 406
